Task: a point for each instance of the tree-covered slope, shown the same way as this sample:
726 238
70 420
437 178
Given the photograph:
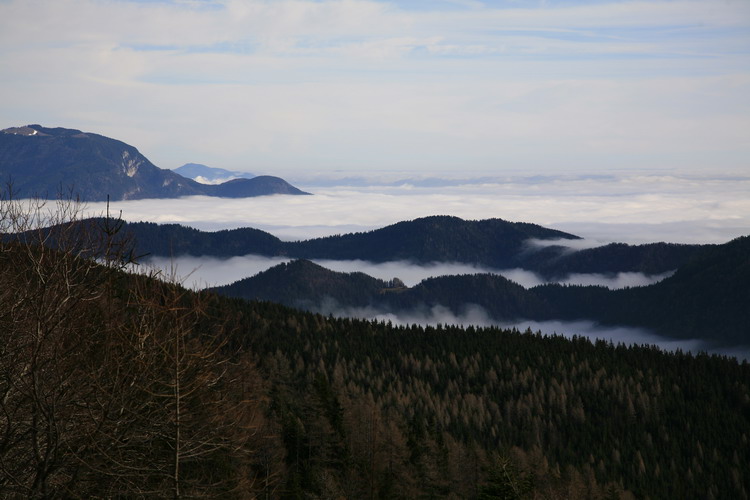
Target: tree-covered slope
301 283
415 411
651 258
706 298
491 242
174 240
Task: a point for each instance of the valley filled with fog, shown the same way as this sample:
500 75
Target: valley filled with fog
630 209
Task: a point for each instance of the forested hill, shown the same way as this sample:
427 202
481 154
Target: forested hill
176 240
493 243
306 285
118 385
706 298
649 258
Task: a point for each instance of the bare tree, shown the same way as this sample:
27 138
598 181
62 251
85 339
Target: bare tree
111 384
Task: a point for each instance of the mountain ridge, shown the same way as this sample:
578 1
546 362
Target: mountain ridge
493 243
705 298
50 162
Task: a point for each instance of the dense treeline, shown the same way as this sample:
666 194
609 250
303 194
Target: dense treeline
432 411
118 385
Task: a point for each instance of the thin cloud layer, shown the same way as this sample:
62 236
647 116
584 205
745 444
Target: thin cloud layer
476 316
627 336
204 272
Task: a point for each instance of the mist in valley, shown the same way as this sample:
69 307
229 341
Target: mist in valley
630 208
203 272
474 315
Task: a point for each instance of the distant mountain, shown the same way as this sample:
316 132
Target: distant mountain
706 298
46 162
257 186
209 175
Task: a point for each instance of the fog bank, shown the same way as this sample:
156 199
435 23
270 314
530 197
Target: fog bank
629 208
203 272
475 315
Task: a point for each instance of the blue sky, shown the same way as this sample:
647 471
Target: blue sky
432 88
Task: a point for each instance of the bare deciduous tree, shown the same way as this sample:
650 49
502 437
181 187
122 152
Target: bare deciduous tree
111 384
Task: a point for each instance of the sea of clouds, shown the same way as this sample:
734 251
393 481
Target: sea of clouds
630 208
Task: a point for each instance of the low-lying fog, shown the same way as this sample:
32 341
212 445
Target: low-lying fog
203 272
629 208
477 316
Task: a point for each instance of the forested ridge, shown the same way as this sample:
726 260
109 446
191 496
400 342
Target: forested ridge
446 405
706 298
493 243
121 385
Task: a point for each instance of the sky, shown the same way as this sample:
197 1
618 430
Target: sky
322 88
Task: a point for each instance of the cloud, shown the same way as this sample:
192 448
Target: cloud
202 272
629 209
289 86
619 280
218 180
571 245
474 315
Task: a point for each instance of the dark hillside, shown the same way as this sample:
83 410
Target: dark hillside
176 240
257 186
306 285
652 258
491 242
44 162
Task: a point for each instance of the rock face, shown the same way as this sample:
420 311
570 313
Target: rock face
47 162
